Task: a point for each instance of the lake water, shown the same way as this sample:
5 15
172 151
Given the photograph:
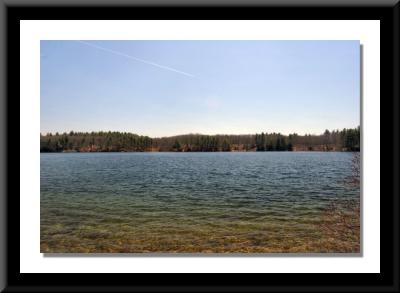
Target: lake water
189 202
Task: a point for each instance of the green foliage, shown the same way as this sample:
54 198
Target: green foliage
345 140
177 146
226 147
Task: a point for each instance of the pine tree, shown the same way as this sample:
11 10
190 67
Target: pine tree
262 142
226 146
177 146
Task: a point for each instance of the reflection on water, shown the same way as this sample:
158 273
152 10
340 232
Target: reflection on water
190 202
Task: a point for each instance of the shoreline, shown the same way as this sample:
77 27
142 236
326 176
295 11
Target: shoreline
316 151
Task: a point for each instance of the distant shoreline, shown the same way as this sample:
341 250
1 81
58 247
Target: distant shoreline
309 151
343 140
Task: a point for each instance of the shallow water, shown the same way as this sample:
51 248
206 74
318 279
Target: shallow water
188 202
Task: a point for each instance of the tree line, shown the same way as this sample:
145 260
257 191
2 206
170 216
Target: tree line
343 140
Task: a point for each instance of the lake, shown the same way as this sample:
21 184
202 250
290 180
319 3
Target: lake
193 202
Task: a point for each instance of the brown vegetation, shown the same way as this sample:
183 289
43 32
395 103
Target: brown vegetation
344 140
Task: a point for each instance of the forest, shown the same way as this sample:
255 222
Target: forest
336 140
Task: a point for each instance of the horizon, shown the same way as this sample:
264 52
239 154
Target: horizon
195 133
163 88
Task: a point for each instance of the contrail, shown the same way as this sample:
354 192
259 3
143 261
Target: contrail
136 59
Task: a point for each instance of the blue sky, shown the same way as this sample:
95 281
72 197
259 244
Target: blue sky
163 88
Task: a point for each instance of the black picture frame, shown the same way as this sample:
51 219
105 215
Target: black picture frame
386 280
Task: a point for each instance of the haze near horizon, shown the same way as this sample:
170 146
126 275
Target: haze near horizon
167 88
